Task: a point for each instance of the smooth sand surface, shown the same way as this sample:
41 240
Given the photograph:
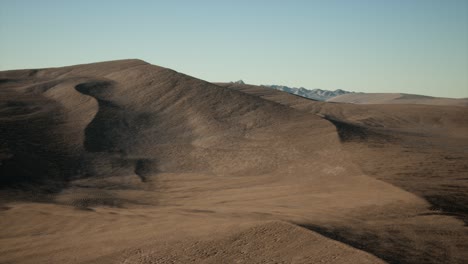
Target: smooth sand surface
127 162
396 98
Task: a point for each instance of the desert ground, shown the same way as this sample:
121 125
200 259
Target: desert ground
128 162
396 98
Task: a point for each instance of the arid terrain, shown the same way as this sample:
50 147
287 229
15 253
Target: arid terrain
396 98
127 162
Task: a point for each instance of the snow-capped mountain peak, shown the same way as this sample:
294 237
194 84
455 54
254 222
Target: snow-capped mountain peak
317 94
239 82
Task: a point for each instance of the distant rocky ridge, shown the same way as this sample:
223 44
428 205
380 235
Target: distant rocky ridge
316 94
342 96
239 82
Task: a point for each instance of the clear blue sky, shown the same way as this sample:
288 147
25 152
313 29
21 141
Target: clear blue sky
411 46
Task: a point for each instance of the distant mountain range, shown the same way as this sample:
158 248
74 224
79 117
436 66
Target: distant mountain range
316 94
342 96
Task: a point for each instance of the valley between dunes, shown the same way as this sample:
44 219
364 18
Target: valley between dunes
128 162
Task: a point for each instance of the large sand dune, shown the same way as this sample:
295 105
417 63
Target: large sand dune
127 162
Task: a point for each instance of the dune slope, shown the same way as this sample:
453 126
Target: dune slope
419 148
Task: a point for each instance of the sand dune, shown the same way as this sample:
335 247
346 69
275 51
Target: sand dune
395 98
419 148
127 162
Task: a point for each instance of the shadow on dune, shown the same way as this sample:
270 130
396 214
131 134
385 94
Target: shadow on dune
113 133
393 246
352 132
453 204
31 154
36 158
368 242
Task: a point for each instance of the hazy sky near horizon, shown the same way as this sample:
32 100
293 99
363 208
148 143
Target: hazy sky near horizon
410 46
